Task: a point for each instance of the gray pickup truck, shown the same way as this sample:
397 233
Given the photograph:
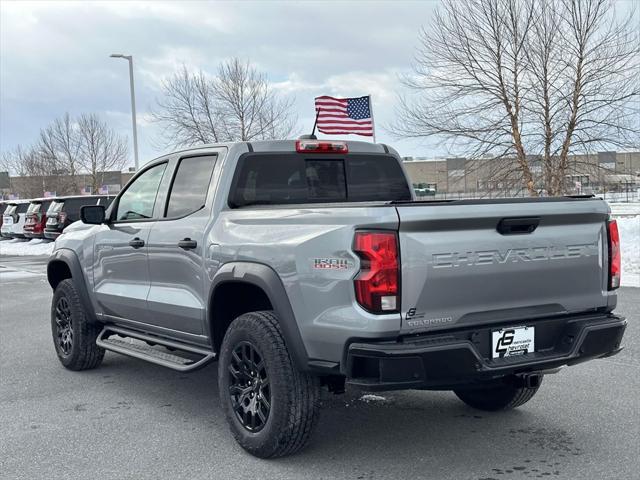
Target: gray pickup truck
306 264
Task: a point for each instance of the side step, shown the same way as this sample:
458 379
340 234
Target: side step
152 354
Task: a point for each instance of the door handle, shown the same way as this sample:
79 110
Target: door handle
136 243
187 243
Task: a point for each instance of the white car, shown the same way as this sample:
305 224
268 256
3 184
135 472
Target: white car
13 219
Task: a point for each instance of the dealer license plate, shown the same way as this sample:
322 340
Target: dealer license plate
509 342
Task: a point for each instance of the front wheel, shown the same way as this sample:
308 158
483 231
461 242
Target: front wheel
74 337
270 406
491 398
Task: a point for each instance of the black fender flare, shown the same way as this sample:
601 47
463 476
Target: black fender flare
72 262
269 281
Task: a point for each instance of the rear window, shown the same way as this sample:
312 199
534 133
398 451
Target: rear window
105 201
55 207
273 179
22 207
72 205
33 208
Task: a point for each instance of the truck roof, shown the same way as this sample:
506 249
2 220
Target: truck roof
355 146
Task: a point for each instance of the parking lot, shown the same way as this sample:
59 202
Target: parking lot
129 419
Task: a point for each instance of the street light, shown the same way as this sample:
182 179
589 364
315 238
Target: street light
133 104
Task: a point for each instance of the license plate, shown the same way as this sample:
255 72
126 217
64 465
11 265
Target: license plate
510 342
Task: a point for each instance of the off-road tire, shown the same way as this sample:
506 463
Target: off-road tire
294 395
497 397
83 353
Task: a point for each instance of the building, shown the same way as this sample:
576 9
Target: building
588 173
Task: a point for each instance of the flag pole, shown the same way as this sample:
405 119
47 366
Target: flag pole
373 125
313 132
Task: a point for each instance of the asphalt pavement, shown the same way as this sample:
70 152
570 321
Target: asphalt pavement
133 420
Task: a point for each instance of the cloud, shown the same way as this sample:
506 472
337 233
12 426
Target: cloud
54 56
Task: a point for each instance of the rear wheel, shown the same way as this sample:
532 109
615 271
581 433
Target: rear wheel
495 397
271 407
74 337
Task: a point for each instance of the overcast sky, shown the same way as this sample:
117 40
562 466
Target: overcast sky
55 56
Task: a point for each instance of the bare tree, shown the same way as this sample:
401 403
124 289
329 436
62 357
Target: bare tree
101 149
32 167
528 82
236 104
12 161
60 148
66 149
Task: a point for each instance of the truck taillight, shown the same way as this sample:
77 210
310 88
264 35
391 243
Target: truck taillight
321 146
377 283
614 255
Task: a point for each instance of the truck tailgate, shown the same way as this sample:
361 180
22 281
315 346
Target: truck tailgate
483 262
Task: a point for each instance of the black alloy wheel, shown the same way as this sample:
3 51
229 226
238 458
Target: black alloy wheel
64 326
249 387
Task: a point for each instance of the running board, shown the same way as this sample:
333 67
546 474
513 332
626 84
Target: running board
151 354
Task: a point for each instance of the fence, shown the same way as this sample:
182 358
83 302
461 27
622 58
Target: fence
630 196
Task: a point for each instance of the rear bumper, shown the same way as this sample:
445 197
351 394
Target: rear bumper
444 360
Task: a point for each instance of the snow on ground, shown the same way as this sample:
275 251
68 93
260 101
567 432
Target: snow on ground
629 228
23 247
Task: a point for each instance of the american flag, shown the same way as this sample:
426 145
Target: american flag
345 115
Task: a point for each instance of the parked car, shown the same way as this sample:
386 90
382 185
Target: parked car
297 265
63 211
3 207
14 218
36 218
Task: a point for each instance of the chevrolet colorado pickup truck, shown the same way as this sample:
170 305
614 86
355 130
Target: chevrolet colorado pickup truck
298 265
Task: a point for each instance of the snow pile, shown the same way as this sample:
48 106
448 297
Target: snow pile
629 228
372 398
22 247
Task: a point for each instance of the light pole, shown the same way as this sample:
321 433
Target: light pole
133 104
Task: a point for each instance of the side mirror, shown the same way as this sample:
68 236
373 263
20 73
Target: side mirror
92 214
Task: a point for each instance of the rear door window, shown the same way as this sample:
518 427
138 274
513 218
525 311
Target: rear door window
190 185
22 207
